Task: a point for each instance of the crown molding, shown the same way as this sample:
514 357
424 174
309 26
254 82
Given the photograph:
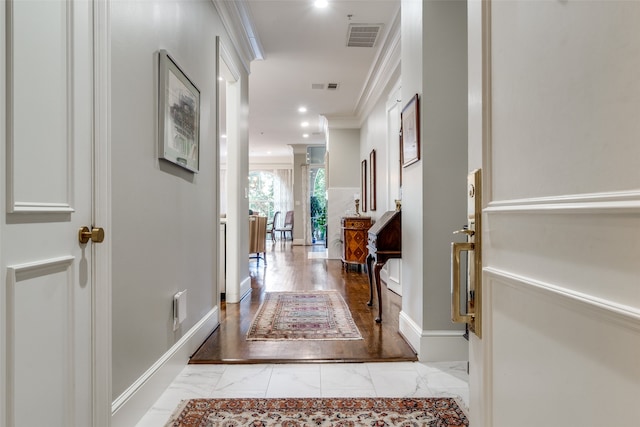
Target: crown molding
384 70
237 20
343 122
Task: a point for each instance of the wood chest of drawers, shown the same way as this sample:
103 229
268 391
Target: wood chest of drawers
354 239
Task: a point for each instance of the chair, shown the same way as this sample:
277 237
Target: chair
271 226
287 226
257 237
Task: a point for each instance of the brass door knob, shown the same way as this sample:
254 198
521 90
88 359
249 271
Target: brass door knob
96 235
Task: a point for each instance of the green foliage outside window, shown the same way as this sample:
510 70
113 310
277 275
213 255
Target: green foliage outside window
261 193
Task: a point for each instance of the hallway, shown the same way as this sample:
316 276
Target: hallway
227 365
397 379
298 268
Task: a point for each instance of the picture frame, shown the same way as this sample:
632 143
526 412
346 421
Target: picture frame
363 185
178 115
372 180
410 127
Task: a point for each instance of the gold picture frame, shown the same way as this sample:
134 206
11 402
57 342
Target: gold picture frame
363 185
410 125
372 180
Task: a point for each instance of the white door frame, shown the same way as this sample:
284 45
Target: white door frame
101 268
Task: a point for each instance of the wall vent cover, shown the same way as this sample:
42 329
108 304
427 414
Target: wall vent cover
332 86
317 86
363 35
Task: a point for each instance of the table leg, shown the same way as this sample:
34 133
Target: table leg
369 268
379 266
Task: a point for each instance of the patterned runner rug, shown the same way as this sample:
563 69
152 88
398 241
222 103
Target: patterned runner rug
431 411
303 316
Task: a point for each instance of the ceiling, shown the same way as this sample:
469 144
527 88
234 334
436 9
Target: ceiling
305 47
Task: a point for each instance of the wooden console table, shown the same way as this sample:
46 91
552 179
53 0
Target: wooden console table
354 239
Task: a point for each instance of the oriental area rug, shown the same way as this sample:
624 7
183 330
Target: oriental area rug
356 412
303 316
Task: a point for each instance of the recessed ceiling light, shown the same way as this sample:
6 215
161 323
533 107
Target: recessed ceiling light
223 136
220 78
305 135
302 109
321 3
304 124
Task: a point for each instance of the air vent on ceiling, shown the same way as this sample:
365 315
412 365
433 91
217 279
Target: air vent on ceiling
332 86
317 86
363 35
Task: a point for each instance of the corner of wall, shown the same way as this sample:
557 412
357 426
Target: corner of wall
434 346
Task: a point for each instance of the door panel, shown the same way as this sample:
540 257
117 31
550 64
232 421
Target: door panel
40 71
49 141
551 122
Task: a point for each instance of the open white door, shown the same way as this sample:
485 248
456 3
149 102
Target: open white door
553 124
47 301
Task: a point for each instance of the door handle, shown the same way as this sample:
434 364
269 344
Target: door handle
456 316
96 235
473 245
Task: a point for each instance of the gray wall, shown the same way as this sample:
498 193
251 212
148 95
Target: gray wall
344 158
343 181
164 218
434 189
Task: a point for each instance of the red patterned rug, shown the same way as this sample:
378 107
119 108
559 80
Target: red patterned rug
303 316
352 412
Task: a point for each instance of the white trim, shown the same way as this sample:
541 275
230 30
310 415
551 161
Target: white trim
101 216
3 160
610 202
17 273
237 21
410 331
385 69
433 345
135 401
225 54
244 288
614 312
40 208
31 269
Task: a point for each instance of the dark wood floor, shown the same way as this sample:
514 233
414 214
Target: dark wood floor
289 269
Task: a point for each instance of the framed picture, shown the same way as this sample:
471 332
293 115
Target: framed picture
372 180
363 185
179 116
410 140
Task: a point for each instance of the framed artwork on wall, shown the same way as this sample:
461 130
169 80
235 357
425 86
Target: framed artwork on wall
178 116
363 185
410 128
372 179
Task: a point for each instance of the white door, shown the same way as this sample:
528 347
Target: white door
47 300
391 271
553 123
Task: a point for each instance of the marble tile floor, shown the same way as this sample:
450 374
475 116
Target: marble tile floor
393 379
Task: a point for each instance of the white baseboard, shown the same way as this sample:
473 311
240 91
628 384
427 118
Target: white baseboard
245 287
431 345
134 402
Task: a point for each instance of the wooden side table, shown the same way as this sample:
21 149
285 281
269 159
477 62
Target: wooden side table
354 240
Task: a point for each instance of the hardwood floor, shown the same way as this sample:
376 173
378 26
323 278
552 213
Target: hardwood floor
290 269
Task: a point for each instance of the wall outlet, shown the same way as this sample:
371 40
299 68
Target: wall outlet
179 308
